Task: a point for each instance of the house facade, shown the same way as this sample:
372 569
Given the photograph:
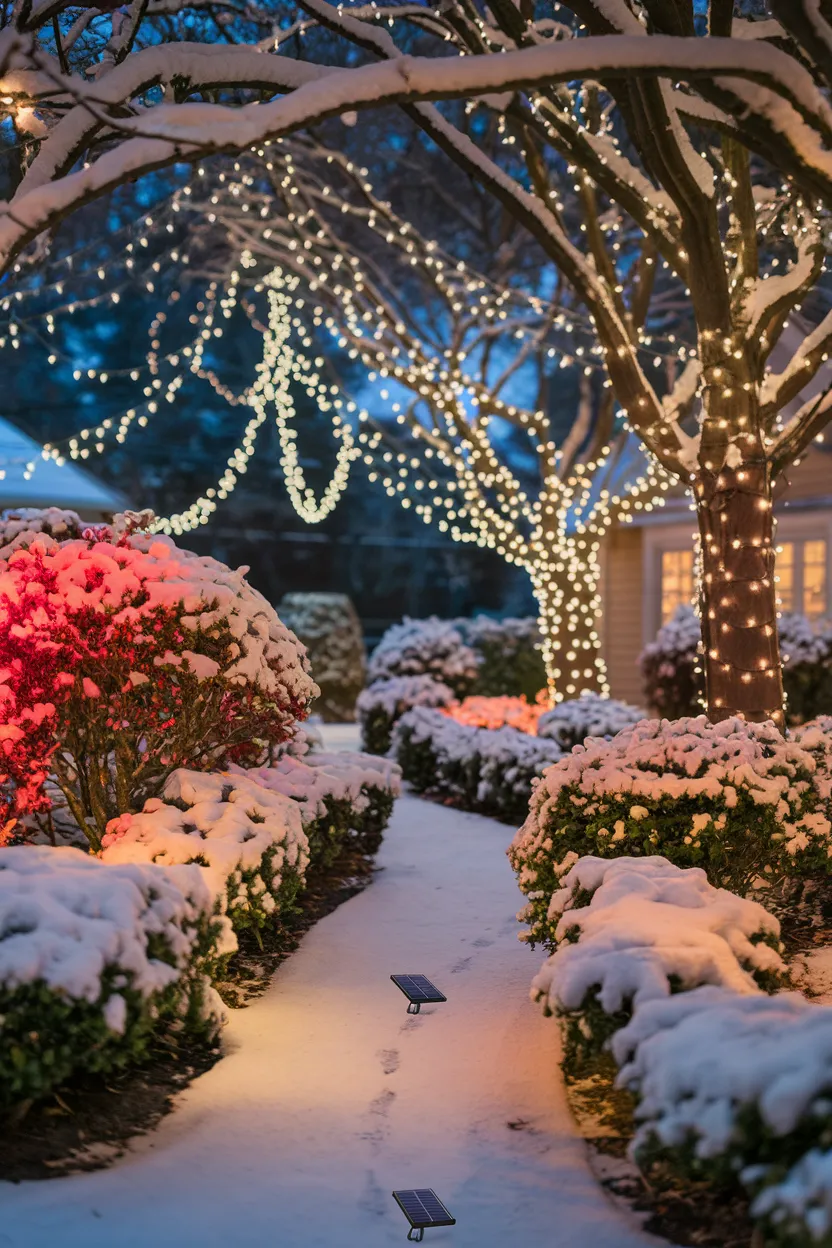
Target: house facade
648 566
29 480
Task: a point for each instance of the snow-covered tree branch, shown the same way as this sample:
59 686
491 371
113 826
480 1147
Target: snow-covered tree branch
652 110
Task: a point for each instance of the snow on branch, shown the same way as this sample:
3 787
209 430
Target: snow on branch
171 131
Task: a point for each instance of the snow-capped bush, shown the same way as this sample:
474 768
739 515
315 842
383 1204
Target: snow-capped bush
509 656
330 629
95 960
385 701
479 770
735 798
121 661
674 688
794 1206
488 657
632 930
430 647
20 526
342 797
815 736
730 1085
590 715
806 648
247 840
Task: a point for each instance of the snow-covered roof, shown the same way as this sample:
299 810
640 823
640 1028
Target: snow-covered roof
29 480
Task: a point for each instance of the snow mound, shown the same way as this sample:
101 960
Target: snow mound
66 917
571 722
95 959
650 928
248 840
720 1073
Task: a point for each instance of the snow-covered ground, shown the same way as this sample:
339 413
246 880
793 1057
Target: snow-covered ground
331 1096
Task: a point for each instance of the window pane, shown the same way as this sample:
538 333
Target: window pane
814 578
677 580
784 568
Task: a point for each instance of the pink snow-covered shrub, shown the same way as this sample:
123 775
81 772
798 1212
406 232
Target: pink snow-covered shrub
632 930
499 712
121 660
735 798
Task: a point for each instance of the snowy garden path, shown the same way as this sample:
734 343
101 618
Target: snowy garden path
331 1096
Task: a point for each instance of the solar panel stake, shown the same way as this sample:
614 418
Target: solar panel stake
419 991
422 1208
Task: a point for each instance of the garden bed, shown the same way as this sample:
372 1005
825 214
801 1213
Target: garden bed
89 1123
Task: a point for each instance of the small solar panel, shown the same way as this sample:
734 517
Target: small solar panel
418 989
422 1208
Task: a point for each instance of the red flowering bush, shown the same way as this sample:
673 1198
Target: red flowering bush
121 661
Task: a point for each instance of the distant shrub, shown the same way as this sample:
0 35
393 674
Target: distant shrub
590 715
474 768
382 704
430 647
482 656
330 629
672 686
509 656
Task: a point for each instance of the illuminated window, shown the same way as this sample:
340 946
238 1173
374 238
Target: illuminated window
785 570
677 581
801 567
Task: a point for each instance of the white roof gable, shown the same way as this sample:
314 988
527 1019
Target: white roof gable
48 485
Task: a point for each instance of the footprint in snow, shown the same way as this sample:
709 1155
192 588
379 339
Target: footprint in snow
381 1105
376 1115
389 1059
372 1199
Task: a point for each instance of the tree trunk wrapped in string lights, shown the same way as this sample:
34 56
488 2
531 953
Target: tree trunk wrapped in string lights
739 628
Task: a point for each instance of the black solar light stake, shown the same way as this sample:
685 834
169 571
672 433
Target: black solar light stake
419 991
422 1208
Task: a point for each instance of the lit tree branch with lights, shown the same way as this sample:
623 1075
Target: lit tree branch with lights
671 106
457 350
